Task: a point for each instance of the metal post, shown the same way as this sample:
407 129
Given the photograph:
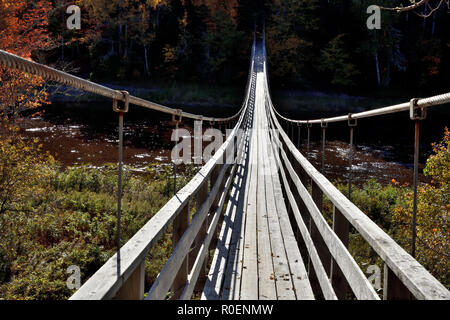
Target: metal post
121 111
298 135
175 164
416 116
324 125
415 181
350 160
119 181
292 132
177 119
308 125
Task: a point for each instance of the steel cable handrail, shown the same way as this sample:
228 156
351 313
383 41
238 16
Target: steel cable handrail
13 61
421 103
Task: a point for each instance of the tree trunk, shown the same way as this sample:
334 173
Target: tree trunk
433 24
120 29
387 78
125 54
424 23
146 61
62 36
120 40
377 66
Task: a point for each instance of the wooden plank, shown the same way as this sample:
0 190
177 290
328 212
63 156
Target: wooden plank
322 278
393 288
198 265
302 286
299 277
322 249
341 228
106 282
167 274
201 196
235 262
213 285
133 288
179 226
234 268
249 278
266 277
356 278
230 229
282 273
411 273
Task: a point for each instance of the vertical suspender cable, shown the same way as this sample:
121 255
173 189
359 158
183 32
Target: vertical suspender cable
174 163
120 111
351 125
177 119
119 182
308 125
416 114
324 126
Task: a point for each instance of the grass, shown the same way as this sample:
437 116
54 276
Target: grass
74 223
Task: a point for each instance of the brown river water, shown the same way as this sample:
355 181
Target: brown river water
83 134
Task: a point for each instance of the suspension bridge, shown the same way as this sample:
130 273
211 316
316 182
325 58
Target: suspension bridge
258 231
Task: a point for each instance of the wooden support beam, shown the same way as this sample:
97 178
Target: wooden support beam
322 249
202 194
213 180
133 288
341 228
393 288
179 226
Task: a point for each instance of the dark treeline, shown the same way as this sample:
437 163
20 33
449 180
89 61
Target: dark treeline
311 43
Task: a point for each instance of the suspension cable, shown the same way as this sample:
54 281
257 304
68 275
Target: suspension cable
13 61
422 103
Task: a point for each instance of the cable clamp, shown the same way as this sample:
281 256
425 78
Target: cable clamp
352 122
323 124
177 116
416 112
126 102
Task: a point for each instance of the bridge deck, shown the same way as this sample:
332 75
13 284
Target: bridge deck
257 256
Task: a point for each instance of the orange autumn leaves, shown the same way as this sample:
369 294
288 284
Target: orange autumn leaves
23 31
433 213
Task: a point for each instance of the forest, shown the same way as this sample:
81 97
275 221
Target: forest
53 216
311 43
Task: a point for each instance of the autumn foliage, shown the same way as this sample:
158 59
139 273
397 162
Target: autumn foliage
433 214
23 30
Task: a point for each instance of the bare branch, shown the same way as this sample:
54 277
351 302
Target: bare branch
408 8
417 5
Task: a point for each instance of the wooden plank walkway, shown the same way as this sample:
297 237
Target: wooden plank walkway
257 255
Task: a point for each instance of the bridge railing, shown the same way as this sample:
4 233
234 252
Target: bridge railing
334 270
122 276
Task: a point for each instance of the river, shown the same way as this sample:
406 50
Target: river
87 133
